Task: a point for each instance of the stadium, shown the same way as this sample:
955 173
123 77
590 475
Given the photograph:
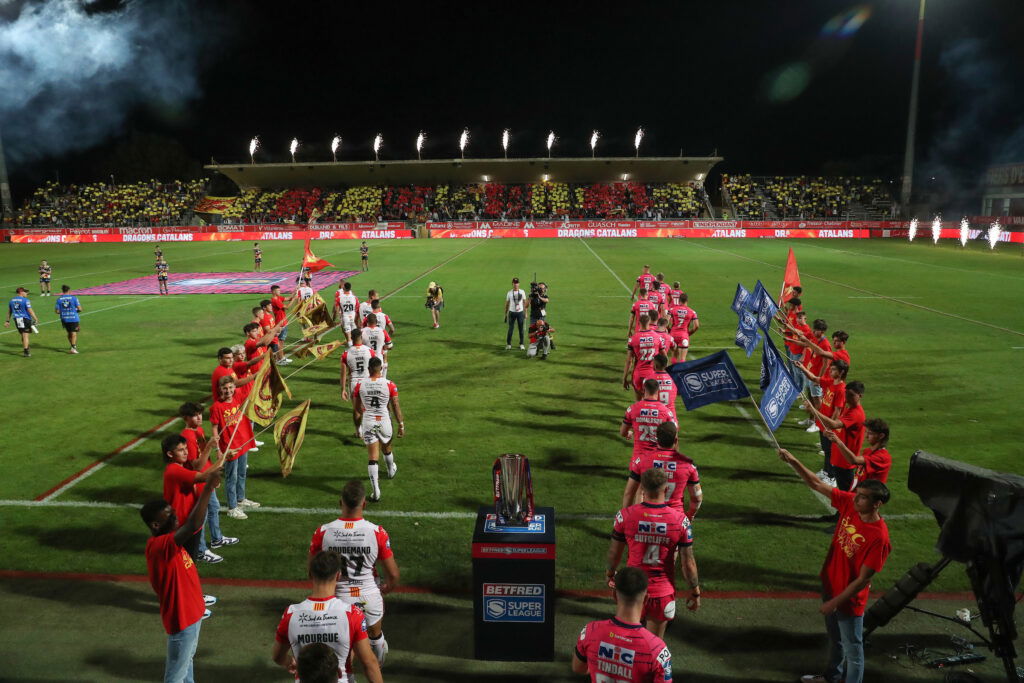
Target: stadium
489 569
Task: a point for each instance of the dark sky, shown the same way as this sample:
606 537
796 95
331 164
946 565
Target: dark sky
696 75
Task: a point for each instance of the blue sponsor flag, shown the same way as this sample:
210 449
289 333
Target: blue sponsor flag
708 380
747 334
780 390
740 299
764 307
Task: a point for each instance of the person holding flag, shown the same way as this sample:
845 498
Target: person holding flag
848 424
233 433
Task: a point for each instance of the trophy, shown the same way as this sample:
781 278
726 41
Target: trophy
513 490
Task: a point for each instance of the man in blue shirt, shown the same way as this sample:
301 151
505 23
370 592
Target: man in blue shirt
25 320
68 308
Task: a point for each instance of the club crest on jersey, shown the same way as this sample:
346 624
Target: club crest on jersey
652 527
616 653
667 465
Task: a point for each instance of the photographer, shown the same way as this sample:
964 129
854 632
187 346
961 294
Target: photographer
541 341
515 313
538 302
435 302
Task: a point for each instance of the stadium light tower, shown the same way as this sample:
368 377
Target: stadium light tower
908 154
6 207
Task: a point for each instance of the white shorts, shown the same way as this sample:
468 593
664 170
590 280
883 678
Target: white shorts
368 598
348 323
375 430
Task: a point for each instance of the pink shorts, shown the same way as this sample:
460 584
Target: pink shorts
638 381
659 609
682 339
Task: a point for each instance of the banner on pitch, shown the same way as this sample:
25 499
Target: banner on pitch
747 334
740 299
708 380
268 391
288 434
764 307
779 388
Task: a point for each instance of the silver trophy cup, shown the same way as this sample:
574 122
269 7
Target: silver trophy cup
513 488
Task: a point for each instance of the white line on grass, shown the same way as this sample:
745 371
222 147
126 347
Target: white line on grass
865 291
901 296
413 514
904 260
743 411
98 310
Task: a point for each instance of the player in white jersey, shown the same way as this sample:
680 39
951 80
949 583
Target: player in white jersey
372 398
377 339
323 618
365 307
383 319
362 546
355 367
347 303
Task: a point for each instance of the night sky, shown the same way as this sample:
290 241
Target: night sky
699 76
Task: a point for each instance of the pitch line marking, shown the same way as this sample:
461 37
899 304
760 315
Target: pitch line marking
882 297
98 310
865 291
94 467
614 274
903 260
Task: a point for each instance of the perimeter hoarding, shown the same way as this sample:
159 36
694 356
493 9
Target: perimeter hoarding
250 234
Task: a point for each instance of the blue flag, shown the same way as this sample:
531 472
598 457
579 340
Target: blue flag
780 390
764 307
708 380
747 334
740 299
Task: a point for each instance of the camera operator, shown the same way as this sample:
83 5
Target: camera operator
538 302
541 341
515 313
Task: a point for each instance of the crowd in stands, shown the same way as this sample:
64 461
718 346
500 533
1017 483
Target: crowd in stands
107 204
805 197
490 201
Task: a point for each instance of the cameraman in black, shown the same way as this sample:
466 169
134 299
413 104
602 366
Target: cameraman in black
538 302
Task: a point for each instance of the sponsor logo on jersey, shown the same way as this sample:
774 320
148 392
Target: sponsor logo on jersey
616 653
514 602
652 527
667 465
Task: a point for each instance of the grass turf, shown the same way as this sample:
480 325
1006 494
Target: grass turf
941 382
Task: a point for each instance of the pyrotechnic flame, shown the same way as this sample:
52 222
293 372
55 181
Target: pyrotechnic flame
463 139
993 234
637 138
377 141
254 145
420 139
593 140
504 139
294 146
965 232
936 229
335 144
913 229
551 140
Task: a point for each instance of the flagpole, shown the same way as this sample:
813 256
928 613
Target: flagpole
770 432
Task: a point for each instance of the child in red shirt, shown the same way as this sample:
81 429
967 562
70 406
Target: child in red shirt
233 432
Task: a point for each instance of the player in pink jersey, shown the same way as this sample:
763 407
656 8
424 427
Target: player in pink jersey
644 281
684 323
347 304
642 347
643 418
620 649
362 545
655 533
666 387
680 470
323 618
378 339
355 366
372 398
642 306
663 327
674 293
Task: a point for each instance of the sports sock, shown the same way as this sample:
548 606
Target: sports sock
380 647
389 459
372 468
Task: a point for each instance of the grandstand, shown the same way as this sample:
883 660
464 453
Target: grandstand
804 197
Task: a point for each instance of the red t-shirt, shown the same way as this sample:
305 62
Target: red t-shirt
679 469
277 304
225 414
254 350
180 489
855 544
794 347
817 364
267 322
241 369
841 354
876 464
851 434
219 372
652 533
643 417
645 345
174 579
195 439
833 397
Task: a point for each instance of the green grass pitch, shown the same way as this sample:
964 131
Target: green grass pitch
941 359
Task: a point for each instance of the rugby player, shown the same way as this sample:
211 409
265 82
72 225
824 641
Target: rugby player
355 367
45 275
684 323
347 303
643 418
372 399
25 320
69 310
377 339
643 281
680 470
642 347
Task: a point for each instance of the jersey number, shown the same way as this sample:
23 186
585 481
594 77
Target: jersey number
648 433
374 402
348 308
664 396
356 562
359 367
653 554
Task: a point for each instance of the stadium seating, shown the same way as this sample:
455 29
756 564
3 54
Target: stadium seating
800 197
104 204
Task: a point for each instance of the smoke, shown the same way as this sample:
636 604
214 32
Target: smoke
981 128
71 74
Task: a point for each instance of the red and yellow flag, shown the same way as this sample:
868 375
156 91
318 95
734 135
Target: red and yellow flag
309 260
216 205
288 433
268 389
791 279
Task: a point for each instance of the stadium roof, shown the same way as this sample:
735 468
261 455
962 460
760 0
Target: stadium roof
465 171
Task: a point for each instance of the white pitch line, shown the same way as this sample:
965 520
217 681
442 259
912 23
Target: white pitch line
614 274
904 260
98 310
882 297
414 514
